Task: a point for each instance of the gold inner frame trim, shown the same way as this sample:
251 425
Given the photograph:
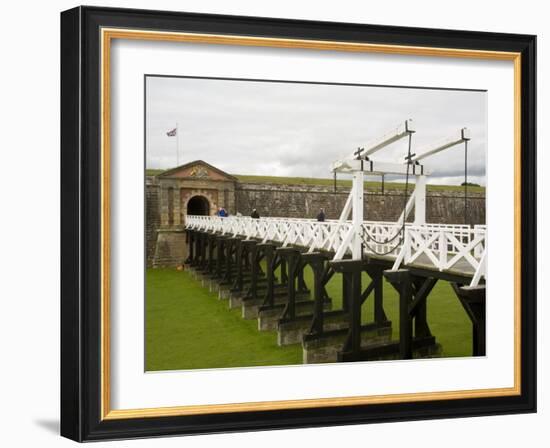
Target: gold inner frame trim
107 35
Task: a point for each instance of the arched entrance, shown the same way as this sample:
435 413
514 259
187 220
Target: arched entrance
198 205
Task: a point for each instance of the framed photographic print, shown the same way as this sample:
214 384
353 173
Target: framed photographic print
273 223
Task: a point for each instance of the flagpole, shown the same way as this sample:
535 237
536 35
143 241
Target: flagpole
177 146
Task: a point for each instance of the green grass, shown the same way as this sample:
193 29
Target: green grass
342 183
153 172
369 185
188 328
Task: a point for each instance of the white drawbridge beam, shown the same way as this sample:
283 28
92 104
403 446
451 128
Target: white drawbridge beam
446 144
403 130
374 167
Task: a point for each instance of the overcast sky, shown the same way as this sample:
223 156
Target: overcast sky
295 129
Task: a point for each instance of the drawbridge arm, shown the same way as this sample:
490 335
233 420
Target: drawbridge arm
441 146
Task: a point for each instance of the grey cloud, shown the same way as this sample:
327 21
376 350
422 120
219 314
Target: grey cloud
296 129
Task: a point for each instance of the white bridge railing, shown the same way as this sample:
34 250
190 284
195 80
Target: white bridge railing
443 247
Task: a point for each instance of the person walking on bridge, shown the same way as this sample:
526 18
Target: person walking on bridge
255 214
321 215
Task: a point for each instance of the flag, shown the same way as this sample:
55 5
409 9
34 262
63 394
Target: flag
172 133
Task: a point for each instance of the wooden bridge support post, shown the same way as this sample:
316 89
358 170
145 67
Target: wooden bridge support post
376 273
355 311
301 284
401 281
246 253
256 255
351 272
413 294
284 273
204 250
238 282
269 254
419 307
198 254
190 240
195 248
220 255
211 248
230 262
345 291
199 246
473 302
293 258
317 261
240 259
243 262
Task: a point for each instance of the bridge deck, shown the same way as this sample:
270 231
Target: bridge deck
461 268
451 250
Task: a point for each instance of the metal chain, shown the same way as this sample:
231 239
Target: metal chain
401 231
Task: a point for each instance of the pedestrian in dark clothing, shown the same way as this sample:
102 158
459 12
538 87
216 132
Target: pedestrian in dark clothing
223 212
321 215
255 214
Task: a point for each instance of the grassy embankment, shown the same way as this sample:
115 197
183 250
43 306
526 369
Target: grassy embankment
188 328
343 183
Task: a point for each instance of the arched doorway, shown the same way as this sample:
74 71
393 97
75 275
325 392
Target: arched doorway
198 205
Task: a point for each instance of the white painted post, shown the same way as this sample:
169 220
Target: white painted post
442 249
347 207
480 271
405 249
408 208
357 213
343 216
420 201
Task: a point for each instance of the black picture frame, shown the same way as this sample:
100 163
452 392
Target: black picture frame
81 224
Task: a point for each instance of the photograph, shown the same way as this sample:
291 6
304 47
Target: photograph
292 223
281 223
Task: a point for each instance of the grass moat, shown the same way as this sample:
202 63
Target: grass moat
188 327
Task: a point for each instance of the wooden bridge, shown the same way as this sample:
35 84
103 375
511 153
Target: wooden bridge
258 264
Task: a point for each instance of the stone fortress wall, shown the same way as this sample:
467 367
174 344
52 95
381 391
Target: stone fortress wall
304 201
